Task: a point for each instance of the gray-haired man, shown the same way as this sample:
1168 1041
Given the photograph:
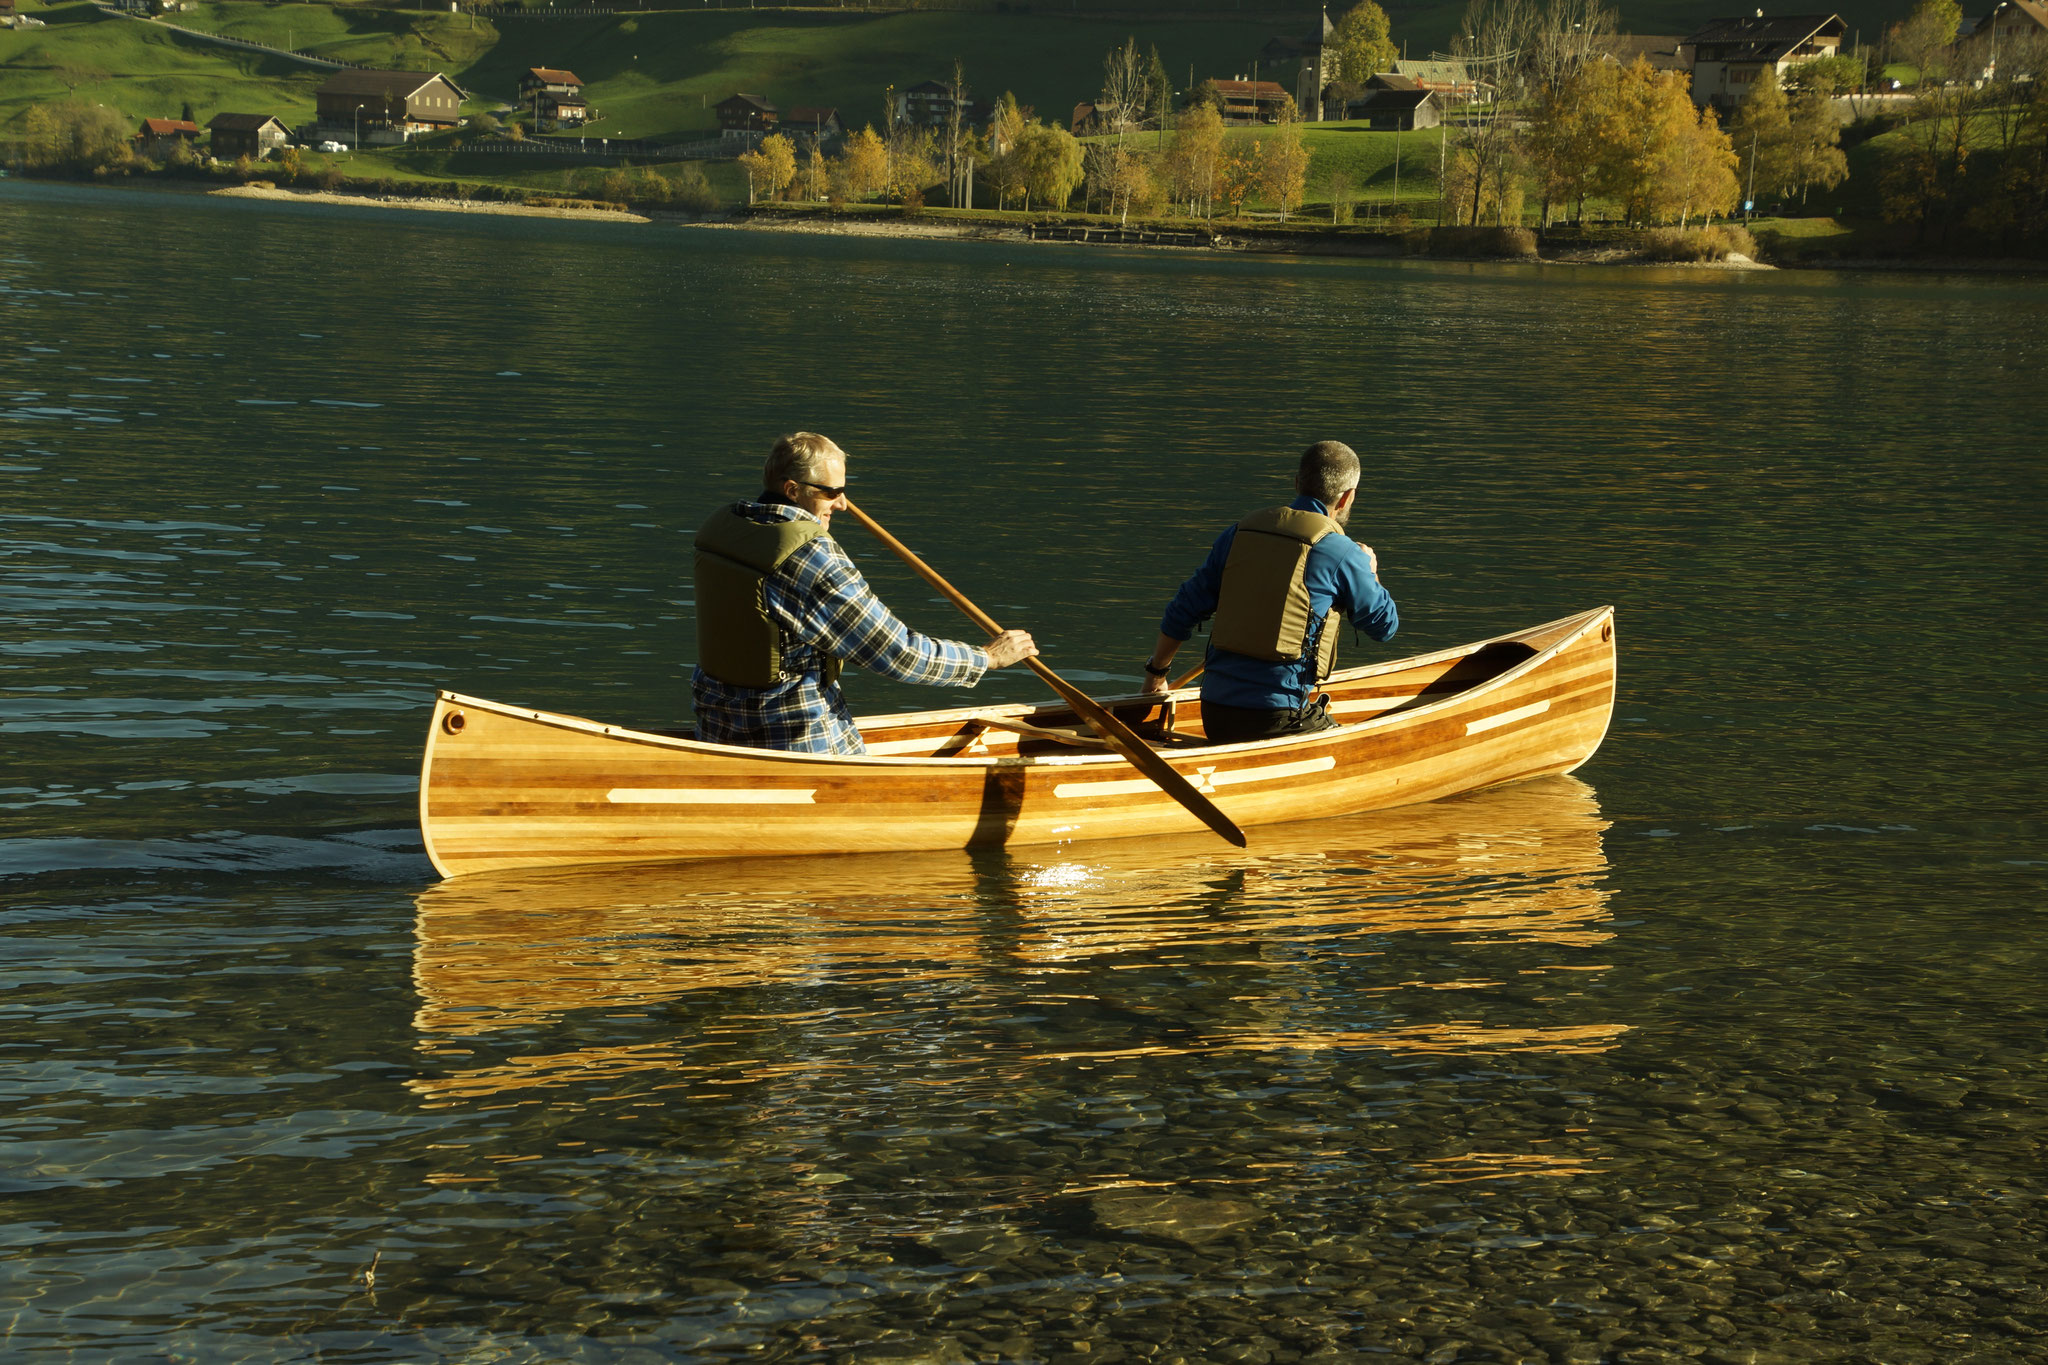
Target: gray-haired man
1276 584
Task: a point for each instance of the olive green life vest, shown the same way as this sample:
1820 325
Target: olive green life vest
1262 610
737 641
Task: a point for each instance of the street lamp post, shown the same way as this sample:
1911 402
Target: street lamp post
1749 199
358 146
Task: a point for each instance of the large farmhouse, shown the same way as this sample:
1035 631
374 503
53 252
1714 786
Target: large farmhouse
387 106
743 115
1728 55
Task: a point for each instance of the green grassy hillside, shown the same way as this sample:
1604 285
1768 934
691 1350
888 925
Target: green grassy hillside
403 40
140 69
656 74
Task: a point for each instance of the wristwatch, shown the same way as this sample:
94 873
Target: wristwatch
1161 671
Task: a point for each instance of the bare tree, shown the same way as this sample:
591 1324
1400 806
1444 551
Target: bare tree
1520 51
1562 36
956 95
1126 89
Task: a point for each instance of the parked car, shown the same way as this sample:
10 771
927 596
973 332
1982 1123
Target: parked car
330 145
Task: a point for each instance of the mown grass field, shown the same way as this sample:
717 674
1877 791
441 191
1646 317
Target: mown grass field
141 69
399 39
1360 154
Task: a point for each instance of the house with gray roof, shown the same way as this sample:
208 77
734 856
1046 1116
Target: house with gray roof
1730 55
387 106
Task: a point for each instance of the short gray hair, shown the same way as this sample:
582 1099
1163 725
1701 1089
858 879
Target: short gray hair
801 455
1329 470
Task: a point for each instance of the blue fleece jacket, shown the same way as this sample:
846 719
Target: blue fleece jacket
1337 573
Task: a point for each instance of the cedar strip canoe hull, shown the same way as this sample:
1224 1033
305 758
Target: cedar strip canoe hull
508 787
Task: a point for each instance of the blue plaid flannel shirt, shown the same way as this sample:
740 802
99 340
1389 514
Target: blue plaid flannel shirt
823 607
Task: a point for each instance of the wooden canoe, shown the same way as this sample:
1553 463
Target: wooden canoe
510 787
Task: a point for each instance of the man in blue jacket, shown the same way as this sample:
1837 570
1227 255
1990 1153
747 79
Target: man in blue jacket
1277 584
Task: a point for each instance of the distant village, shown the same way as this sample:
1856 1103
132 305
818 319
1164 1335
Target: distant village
1721 61
1545 114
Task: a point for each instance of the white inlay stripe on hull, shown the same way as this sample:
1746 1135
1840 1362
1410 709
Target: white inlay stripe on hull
1351 708
710 796
943 746
1537 708
1205 779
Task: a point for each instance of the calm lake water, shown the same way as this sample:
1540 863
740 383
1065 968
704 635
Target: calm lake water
1729 1048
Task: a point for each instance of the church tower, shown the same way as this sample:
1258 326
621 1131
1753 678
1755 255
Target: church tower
1318 68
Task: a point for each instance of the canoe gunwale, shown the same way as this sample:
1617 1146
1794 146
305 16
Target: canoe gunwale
1574 628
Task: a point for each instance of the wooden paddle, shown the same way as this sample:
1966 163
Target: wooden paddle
1114 732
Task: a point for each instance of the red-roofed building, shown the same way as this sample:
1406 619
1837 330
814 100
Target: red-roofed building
555 97
548 80
162 134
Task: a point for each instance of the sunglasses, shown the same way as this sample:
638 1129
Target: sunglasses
828 491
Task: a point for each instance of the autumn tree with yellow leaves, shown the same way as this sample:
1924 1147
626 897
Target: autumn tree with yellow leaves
1191 162
1283 163
862 167
770 167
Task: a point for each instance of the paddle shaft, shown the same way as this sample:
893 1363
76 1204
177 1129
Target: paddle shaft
1114 732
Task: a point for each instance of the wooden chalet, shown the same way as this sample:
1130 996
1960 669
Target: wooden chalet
162 134
252 135
1251 101
554 96
548 80
740 115
1395 110
1728 55
388 102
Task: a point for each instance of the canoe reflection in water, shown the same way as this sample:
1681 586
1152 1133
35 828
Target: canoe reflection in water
1517 867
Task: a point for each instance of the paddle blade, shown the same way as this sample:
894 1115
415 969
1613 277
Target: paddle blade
1141 755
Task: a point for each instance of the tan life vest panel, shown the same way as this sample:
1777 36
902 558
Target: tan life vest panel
1262 610
738 643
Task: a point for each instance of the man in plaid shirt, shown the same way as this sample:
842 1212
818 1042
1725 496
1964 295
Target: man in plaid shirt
818 611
